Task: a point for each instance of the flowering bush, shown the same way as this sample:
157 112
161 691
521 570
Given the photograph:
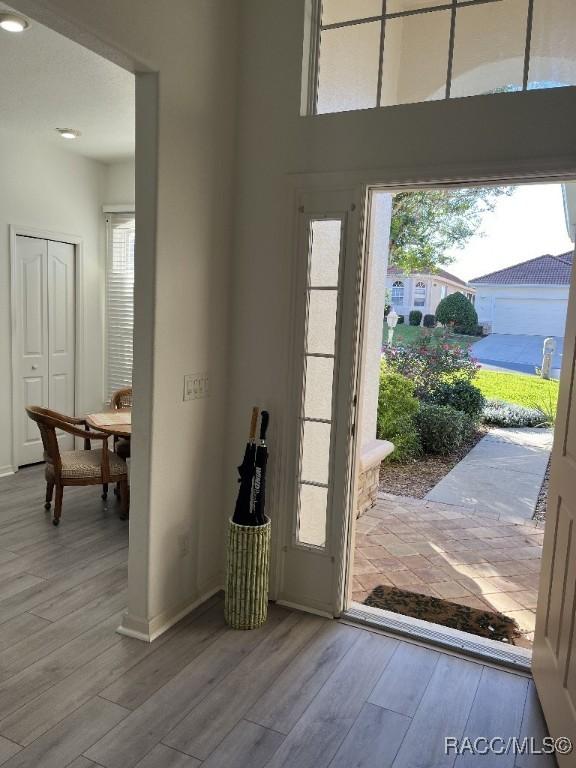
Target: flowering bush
429 362
502 414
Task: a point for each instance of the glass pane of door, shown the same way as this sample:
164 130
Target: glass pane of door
319 352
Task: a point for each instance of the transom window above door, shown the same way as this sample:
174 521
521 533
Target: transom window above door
377 53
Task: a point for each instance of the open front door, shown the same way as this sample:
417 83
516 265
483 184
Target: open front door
321 411
554 655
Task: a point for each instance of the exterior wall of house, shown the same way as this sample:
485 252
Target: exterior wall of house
529 309
434 292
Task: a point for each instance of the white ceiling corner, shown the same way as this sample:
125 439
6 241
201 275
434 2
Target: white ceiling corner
50 82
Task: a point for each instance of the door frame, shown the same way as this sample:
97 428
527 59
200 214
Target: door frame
79 320
487 650
320 202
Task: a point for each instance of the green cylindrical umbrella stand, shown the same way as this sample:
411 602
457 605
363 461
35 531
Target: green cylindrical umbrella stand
247 566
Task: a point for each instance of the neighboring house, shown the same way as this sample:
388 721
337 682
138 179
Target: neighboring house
528 298
422 290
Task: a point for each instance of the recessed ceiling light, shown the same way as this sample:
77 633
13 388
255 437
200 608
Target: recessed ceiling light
12 22
68 133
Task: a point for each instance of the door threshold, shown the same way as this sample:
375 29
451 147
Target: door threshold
482 648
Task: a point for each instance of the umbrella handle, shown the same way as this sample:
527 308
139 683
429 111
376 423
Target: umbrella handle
254 422
265 418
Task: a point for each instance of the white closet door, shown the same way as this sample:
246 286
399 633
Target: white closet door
32 333
61 332
45 334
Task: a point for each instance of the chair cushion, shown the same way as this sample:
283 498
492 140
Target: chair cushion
79 464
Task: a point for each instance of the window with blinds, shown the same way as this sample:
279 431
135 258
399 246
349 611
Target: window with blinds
119 300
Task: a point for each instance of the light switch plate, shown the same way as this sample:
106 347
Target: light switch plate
195 386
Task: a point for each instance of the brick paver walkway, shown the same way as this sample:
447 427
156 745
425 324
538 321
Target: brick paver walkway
450 552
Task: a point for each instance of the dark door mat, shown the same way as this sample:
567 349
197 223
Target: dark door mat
491 624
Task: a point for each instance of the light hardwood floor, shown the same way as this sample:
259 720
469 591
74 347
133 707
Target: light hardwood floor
301 692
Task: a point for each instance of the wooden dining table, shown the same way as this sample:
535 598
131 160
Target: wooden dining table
117 423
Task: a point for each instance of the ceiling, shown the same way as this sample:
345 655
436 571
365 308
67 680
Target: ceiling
49 82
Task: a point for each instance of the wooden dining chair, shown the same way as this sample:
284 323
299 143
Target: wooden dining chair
91 466
122 398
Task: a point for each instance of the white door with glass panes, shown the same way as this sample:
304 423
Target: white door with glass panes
321 413
45 336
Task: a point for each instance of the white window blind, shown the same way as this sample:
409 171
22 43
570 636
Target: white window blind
119 300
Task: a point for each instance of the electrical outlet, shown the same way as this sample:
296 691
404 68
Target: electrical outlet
195 386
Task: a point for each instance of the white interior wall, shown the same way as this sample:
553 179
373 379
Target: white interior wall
461 138
47 188
185 133
185 465
120 183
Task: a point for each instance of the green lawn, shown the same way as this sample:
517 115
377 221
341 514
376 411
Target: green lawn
408 334
530 391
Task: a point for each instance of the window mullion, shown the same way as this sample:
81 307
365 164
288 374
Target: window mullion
381 60
529 21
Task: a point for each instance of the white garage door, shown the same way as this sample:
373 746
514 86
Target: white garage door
534 317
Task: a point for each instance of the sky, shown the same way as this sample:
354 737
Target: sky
527 224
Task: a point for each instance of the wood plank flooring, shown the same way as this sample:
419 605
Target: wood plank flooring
301 692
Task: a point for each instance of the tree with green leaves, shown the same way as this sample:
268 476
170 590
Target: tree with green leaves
427 224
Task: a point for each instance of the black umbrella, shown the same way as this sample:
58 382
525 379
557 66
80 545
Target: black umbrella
259 489
242 511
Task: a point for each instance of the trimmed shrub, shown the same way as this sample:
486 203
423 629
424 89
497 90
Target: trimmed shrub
407 445
396 401
458 313
400 319
498 413
442 428
461 395
415 317
429 321
396 409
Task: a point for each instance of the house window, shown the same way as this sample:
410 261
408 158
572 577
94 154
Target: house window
377 53
443 292
119 300
398 293
420 294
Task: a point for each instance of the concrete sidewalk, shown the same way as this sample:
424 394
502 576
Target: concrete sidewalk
501 476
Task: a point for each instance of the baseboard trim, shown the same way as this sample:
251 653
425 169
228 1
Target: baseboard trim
7 469
305 609
148 631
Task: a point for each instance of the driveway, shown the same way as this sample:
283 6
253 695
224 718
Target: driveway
513 352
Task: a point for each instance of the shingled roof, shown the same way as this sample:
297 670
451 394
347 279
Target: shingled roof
438 273
543 270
